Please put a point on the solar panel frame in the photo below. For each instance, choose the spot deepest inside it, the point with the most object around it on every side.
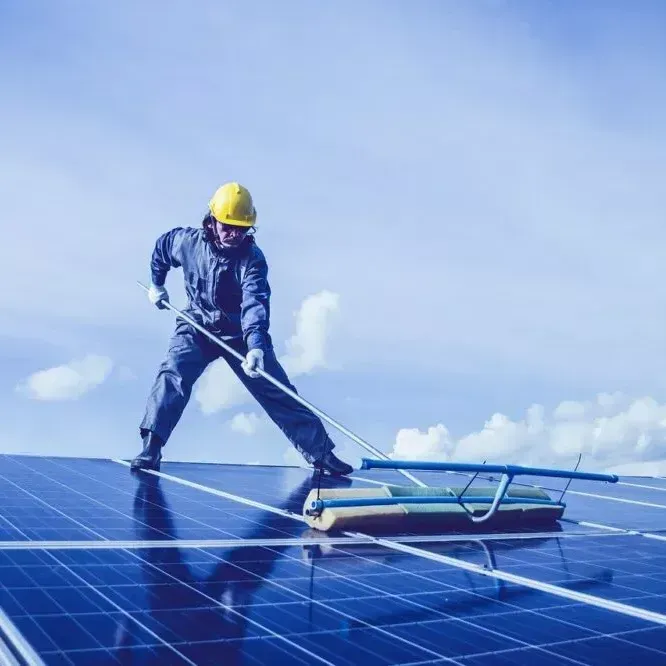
(577, 534)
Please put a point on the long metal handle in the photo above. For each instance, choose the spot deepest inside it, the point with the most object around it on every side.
(286, 389)
(513, 470)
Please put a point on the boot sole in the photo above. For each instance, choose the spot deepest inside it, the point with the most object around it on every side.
(139, 466)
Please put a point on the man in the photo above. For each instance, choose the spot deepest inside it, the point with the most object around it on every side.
(226, 282)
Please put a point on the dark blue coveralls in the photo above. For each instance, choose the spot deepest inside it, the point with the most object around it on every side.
(229, 294)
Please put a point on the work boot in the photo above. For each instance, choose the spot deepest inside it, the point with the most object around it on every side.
(151, 456)
(331, 464)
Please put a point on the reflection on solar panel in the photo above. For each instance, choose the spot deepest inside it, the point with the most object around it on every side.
(213, 564)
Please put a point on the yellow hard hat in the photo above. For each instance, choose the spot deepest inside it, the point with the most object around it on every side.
(232, 204)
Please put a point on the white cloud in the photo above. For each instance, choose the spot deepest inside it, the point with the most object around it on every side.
(246, 424)
(67, 382)
(515, 219)
(411, 443)
(306, 349)
(609, 431)
(219, 388)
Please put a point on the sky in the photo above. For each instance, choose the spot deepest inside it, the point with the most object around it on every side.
(461, 204)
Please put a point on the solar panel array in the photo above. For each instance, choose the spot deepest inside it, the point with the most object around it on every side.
(212, 564)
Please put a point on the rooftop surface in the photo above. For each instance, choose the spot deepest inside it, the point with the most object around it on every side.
(212, 564)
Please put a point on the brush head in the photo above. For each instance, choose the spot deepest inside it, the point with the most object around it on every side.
(394, 517)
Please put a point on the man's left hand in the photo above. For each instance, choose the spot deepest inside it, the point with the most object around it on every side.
(253, 360)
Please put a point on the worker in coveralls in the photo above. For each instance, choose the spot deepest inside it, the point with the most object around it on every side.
(228, 292)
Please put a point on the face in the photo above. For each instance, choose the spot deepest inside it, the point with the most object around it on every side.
(230, 235)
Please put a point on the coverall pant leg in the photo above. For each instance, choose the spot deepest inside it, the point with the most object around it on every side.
(188, 355)
(300, 425)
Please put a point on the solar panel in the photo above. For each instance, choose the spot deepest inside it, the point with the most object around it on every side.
(212, 564)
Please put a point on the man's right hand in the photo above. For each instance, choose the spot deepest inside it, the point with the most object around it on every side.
(157, 294)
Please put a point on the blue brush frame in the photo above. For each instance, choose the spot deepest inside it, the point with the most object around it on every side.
(508, 473)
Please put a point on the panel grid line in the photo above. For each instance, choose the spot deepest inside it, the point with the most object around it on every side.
(517, 610)
(584, 598)
(369, 626)
(110, 602)
(133, 619)
(626, 609)
(606, 604)
(389, 595)
(360, 580)
(113, 509)
(240, 542)
(18, 641)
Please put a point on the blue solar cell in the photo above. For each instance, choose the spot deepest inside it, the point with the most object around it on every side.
(629, 490)
(366, 645)
(179, 614)
(522, 657)
(309, 604)
(453, 638)
(658, 482)
(249, 653)
(609, 650)
(650, 638)
(594, 565)
(54, 499)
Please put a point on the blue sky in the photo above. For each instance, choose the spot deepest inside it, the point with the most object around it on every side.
(479, 186)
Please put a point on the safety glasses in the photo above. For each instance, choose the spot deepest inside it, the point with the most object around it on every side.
(232, 229)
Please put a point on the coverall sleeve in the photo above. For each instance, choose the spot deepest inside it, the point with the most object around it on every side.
(255, 305)
(166, 255)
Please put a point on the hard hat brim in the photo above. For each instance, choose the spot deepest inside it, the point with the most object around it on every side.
(235, 223)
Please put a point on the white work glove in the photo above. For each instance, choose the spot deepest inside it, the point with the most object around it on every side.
(157, 294)
(253, 360)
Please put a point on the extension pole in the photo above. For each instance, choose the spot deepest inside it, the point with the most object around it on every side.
(286, 389)
(513, 470)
